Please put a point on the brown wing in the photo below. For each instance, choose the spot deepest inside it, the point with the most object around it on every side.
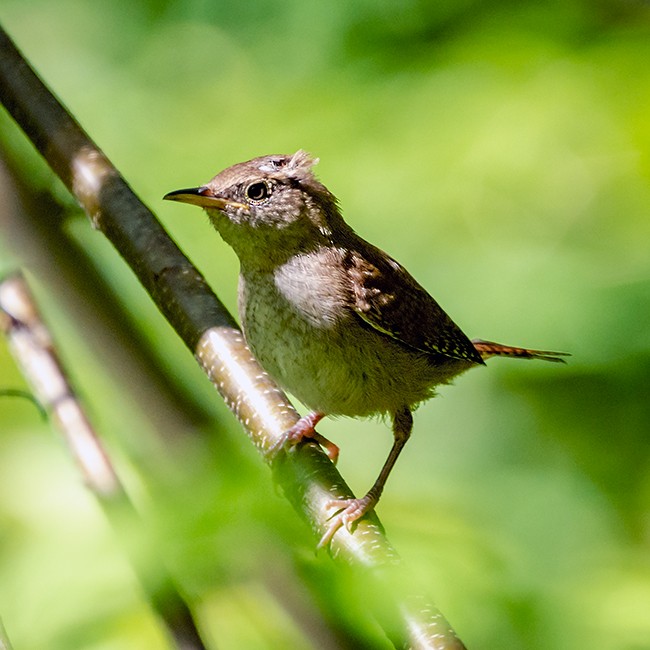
(389, 299)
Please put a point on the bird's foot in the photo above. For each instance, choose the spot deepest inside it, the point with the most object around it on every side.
(350, 511)
(305, 428)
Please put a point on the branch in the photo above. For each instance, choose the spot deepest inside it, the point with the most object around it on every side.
(183, 296)
(4, 639)
(32, 347)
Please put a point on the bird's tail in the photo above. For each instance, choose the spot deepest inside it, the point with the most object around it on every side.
(490, 349)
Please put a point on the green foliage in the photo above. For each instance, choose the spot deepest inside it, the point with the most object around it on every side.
(501, 152)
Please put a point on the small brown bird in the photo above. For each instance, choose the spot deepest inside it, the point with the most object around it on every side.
(333, 319)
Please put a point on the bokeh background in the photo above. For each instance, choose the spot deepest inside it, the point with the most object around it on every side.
(501, 151)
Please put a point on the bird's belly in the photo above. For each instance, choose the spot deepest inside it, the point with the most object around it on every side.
(339, 366)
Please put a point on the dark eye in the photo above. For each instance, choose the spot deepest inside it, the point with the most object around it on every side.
(258, 191)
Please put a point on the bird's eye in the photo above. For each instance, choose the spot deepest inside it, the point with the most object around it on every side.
(258, 191)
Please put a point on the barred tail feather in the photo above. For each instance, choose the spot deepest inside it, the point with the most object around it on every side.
(490, 349)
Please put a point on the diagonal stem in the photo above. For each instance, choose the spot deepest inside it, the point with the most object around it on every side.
(182, 295)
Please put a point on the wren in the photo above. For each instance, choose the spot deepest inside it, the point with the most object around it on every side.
(333, 319)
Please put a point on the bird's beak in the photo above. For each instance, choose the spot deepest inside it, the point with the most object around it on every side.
(202, 196)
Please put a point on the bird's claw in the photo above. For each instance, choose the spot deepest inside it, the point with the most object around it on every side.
(284, 442)
(350, 511)
(305, 428)
(328, 446)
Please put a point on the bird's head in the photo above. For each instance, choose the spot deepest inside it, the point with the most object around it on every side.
(270, 206)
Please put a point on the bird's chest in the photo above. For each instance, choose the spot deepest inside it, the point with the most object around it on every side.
(296, 322)
(301, 326)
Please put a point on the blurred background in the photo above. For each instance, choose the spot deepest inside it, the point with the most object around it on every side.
(499, 150)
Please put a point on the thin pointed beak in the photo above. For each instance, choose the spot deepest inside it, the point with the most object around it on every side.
(202, 196)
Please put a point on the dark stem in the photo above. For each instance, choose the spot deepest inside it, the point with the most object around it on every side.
(182, 295)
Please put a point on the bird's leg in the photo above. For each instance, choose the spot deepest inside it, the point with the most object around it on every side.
(305, 428)
(353, 509)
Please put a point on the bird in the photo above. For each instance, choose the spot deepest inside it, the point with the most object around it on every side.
(331, 318)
